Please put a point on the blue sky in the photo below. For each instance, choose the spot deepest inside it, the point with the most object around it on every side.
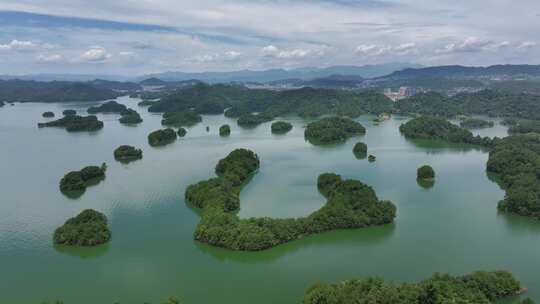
(134, 37)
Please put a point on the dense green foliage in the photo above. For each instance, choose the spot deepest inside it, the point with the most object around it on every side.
(127, 153)
(477, 288)
(161, 137)
(75, 123)
(108, 107)
(130, 116)
(69, 112)
(516, 159)
(430, 103)
(351, 204)
(181, 132)
(79, 180)
(360, 150)
(476, 123)
(89, 228)
(177, 119)
(251, 120)
(332, 130)
(225, 130)
(281, 127)
(425, 172)
(523, 127)
(54, 91)
(146, 102)
(48, 114)
(426, 127)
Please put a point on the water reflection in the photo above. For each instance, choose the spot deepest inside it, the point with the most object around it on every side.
(83, 252)
(519, 224)
(426, 183)
(435, 146)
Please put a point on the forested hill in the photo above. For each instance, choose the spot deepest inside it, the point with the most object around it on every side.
(463, 71)
(55, 91)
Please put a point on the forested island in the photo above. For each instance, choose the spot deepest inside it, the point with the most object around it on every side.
(281, 127)
(350, 204)
(126, 154)
(88, 228)
(130, 117)
(438, 128)
(47, 114)
(332, 130)
(476, 123)
(108, 107)
(181, 132)
(360, 150)
(425, 173)
(146, 102)
(516, 159)
(478, 288)
(161, 137)
(75, 123)
(69, 112)
(252, 120)
(181, 119)
(224, 130)
(74, 183)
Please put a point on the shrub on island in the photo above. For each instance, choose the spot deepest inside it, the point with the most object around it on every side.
(127, 153)
(89, 228)
(332, 130)
(478, 287)
(476, 123)
(48, 114)
(181, 132)
(79, 180)
(75, 123)
(436, 128)
(371, 158)
(107, 107)
(351, 204)
(130, 116)
(360, 150)
(225, 130)
(178, 119)
(161, 137)
(69, 112)
(281, 127)
(425, 173)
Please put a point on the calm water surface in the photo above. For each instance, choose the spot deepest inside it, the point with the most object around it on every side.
(452, 227)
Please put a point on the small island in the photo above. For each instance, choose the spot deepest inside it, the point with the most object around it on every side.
(360, 150)
(130, 117)
(476, 123)
(281, 127)
(425, 173)
(146, 103)
(180, 119)
(77, 181)
(253, 120)
(181, 132)
(225, 130)
(89, 228)
(478, 287)
(437, 128)
(107, 107)
(48, 114)
(69, 112)
(371, 158)
(332, 130)
(126, 154)
(75, 123)
(161, 137)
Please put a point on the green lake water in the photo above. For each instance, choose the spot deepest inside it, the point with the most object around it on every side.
(451, 227)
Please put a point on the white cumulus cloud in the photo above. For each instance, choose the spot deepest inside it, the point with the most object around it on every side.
(18, 45)
(96, 54)
(49, 58)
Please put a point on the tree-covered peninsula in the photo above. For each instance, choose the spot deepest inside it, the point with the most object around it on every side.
(181, 119)
(89, 228)
(476, 123)
(350, 204)
(48, 114)
(126, 154)
(75, 123)
(332, 130)
(437, 128)
(281, 127)
(478, 288)
(161, 137)
(75, 182)
(107, 107)
(224, 130)
(425, 172)
(516, 159)
(130, 117)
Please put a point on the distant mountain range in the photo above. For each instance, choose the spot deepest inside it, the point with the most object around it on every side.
(464, 71)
